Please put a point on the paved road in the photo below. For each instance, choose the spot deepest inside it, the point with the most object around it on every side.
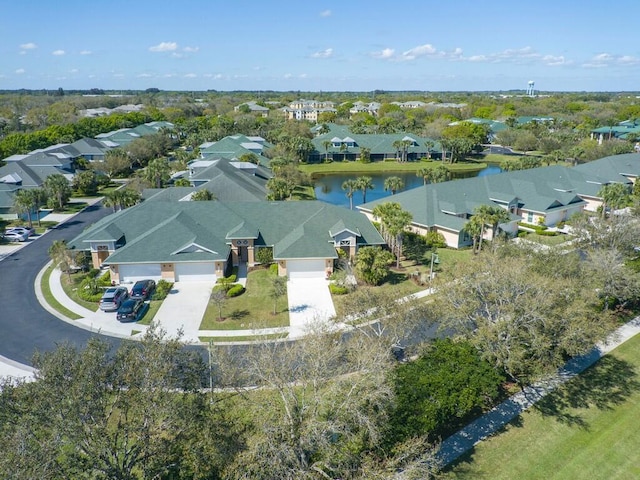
(27, 327)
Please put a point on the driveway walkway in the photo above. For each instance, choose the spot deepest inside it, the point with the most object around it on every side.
(183, 309)
(309, 302)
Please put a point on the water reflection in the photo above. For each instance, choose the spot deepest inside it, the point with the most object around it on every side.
(328, 188)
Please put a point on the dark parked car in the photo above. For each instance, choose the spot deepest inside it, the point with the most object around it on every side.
(112, 298)
(131, 310)
(143, 289)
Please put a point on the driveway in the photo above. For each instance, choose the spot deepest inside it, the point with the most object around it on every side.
(309, 302)
(184, 308)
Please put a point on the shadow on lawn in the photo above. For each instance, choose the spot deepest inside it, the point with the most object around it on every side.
(604, 385)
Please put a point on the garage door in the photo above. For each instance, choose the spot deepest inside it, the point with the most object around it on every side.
(195, 272)
(141, 271)
(305, 268)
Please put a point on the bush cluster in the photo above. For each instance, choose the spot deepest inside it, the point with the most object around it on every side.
(162, 290)
(235, 290)
(338, 289)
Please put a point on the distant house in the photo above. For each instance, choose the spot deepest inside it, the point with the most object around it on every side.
(253, 108)
(234, 147)
(339, 143)
(228, 181)
(307, 109)
(539, 196)
(361, 107)
(124, 136)
(629, 129)
(199, 241)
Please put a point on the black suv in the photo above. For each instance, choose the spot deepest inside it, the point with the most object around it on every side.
(143, 289)
(131, 310)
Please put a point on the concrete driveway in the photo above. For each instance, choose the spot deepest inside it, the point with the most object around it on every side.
(309, 302)
(184, 308)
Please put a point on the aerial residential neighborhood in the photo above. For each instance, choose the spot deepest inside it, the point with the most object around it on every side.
(311, 241)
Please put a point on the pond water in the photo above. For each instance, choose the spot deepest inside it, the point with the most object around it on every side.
(328, 188)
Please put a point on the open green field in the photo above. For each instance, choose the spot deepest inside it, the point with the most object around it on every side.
(586, 430)
(253, 309)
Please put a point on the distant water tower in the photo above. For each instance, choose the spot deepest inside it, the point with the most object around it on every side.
(530, 89)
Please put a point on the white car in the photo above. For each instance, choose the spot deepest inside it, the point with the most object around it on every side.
(25, 230)
(11, 236)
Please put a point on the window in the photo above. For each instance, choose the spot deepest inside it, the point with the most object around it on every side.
(530, 217)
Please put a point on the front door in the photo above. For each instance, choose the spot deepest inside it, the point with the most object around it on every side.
(242, 254)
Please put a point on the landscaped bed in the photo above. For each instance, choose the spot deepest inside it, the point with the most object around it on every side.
(251, 310)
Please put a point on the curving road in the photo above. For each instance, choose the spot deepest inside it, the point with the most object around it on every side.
(25, 325)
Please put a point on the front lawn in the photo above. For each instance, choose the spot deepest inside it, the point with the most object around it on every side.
(151, 310)
(251, 310)
(70, 285)
(51, 300)
(587, 429)
(549, 240)
(72, 207)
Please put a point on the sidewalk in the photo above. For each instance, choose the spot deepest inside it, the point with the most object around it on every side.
(464, 440)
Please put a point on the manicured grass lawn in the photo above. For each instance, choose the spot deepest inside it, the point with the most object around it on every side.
(70, 284)
(73, 207)
(245, 338)
(152, 309)
(548, 240)
(373, 167)
(252, 309)
(51, 300)
(303, 193)
(587, 429)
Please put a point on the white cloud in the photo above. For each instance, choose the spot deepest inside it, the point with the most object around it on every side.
(419, 51)
(191, 49)
(304, 75)
(190, 75)
(288, 76)
(164, 47)
(73, 70)
(325, 13)
(20, 71)
(58, 53)
(118, 75)
(86, 52)
(608, 60)
(384, 54)
(323, 54)
(28, 46)
(145, 75)
(553, 61)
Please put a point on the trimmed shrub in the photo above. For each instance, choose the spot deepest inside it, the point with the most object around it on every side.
(89, 290)
(105, 279)
(162, 290)
(273, 268)
(230, 279)
(338, 289)
(235, 290)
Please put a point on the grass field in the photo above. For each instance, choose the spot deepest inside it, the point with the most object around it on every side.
(51, 300)
(586, 430)
(378, 167)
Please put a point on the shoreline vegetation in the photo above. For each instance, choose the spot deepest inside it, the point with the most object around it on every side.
(320, 169)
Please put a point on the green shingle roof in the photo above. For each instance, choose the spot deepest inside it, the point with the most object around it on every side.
(160, 231)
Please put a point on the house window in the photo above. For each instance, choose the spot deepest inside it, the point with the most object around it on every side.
(345, 243)
(530, 217)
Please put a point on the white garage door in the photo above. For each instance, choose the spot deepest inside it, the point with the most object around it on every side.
(195, 272)
(305, 268)
(140, 271)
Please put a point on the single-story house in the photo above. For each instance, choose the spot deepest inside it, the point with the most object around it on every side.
(235, 146)
(339, 143)
(545, 196)
(199, 241)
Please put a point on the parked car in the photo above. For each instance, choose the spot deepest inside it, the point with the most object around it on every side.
(10, 236)
(131, 310)
(112, 298)
(143, 289)
(29, 231)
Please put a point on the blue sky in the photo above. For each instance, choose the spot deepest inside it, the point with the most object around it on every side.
(348, 45)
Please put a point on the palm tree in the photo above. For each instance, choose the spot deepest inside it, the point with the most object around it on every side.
(158, 172)
(326, 144)
(24, 202)
(61, 256)
(202, 195)
(394, 221)
(614, 195)
(365, 183)
(57, 186)
(474, 228)
(489, 215)
(398, 147)
(350, 185)
(436, 174)
(393, 184)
